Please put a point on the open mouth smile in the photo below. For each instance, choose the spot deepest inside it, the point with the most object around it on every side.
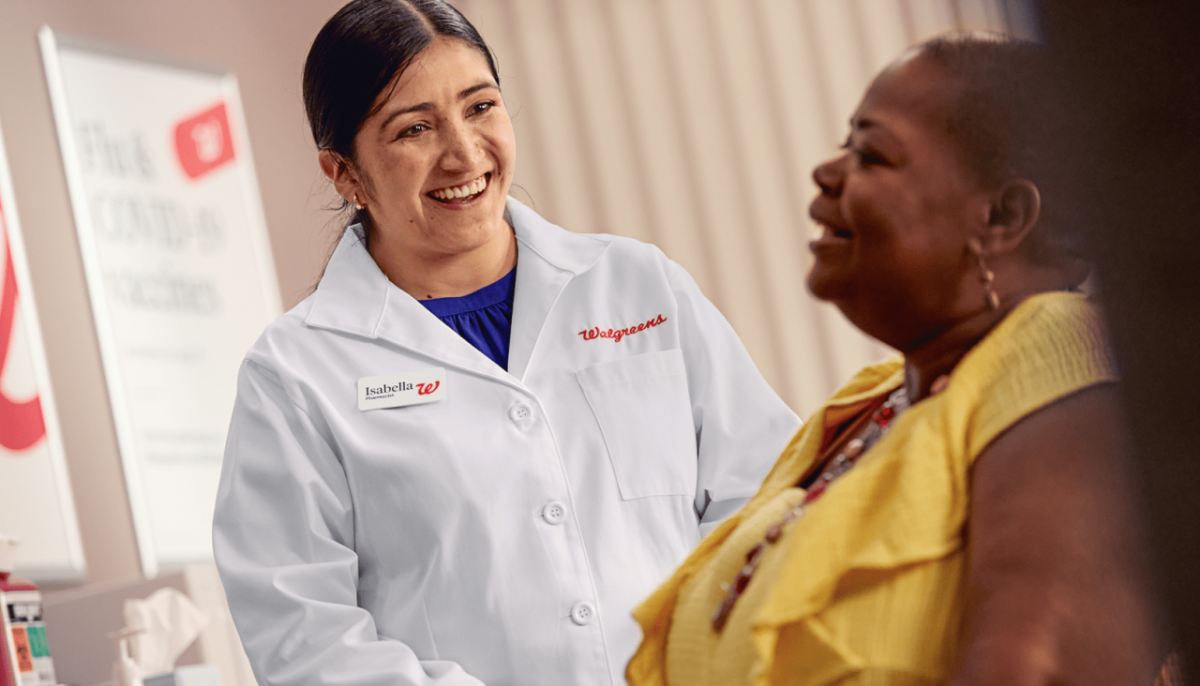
(460, 195)
(829, 238)
(828, 231)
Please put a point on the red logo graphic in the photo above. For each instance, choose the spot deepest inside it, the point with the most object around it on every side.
(617, 334)
(203, 142)
(21, 424)
(427, 388)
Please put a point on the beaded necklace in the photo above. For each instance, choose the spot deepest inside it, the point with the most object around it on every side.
(846, 458)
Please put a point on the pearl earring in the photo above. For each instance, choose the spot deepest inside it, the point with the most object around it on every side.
(986, 276)
(357, 205)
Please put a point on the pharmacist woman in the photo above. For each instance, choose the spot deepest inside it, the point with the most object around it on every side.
(483, 439)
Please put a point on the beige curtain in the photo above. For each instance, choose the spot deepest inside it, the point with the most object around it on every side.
(695, 124)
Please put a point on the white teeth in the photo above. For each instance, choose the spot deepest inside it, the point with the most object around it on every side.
(463, 191)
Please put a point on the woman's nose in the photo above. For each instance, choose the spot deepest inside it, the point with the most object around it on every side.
(829, 176)
(462, 149)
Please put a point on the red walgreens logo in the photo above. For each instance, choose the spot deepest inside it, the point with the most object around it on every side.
(617, 334)
(203, 142)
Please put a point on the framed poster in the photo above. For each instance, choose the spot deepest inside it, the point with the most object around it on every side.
(36, 505)
(178, 267)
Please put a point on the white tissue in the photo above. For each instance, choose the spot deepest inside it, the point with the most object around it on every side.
(170, 621)
(8, 551)
(125, 671)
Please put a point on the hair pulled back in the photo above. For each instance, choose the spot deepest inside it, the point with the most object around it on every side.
(360, 50)
(1008, 122)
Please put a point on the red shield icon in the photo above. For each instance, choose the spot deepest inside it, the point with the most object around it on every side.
(203, 142)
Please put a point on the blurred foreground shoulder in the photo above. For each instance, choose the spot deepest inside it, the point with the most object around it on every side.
(1058, 585)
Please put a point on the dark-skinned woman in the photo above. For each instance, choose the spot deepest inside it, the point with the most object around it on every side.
(962, 513)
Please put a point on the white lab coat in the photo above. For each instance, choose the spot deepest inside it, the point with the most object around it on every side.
(503, 534)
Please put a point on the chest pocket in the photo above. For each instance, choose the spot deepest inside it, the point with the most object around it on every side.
(645, 414)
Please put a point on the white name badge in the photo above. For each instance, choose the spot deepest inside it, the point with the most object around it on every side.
(400, 390)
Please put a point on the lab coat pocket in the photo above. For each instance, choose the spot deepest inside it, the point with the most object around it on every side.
(645, 415)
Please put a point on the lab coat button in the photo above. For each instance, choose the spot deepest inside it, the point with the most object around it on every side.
(521, 413)
(554, 512)
(583, 613)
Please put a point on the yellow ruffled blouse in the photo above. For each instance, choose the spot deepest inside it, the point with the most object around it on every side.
(867, 586)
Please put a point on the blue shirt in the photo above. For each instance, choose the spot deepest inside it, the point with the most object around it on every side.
(483, 318)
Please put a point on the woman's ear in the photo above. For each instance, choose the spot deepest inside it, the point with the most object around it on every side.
(1014, 212)
(342, 174)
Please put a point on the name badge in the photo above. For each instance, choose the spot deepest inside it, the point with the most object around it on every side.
(400, 390)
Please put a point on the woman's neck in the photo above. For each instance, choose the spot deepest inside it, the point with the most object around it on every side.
(939, 355)
(425, 277)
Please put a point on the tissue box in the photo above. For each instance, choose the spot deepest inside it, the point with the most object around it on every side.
(79, 622)
(190, 675)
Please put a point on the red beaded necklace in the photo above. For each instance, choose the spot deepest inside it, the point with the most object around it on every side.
(849, 455)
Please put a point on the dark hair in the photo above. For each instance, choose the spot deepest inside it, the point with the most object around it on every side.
(1007, 119)
(360, 50)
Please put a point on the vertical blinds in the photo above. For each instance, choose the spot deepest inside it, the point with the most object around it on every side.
(695, 125)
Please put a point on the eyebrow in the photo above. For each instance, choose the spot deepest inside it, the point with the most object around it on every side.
(865, 125)
(427, 106)
(860, 124)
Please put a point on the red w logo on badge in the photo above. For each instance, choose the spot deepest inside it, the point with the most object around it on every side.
(203, 142)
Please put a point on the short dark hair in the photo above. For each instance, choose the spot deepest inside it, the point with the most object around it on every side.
(1007, 122)
(360, 50)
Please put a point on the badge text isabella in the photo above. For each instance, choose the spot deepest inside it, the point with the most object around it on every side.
(387, 389)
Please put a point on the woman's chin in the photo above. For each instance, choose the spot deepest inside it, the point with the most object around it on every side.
(825, 285)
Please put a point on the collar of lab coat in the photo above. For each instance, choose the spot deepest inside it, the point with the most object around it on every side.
(355, 297)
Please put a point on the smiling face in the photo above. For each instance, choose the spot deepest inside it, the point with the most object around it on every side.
(896, 211)
(435, 160)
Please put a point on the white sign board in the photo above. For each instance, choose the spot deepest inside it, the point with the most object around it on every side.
(36, 505)
(178, 267)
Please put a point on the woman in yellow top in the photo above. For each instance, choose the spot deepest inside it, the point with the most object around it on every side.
(961, 514)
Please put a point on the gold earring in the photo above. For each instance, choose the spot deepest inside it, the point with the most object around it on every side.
(357, 205)
(986, 276)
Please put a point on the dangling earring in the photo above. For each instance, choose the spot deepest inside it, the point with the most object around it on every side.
(357, 205)
(986, 276)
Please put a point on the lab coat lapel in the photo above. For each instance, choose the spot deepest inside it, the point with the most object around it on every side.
(539, 283)
(548, 258)
(354, 296)
(407, 323)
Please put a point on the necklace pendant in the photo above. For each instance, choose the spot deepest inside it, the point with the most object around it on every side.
(815, 491)
(853, 449)
(743, 579)
(774, 533)
(722, 614)
(756, 551)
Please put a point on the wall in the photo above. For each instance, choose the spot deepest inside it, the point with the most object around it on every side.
(693, 124)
